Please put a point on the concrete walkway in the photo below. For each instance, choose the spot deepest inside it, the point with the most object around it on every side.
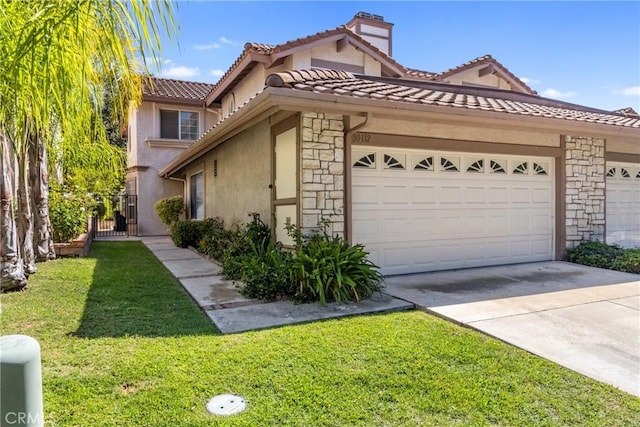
(586, 319)
(231, 312)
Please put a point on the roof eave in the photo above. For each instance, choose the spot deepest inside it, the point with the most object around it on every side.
(274, 99)
(248, 61)
(288, 99)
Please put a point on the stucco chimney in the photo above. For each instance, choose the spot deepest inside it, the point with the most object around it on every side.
(373, 29)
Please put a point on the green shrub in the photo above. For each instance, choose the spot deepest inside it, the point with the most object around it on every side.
(321, 268)
(256, 234)
(190, 232)
(594, 254)
(216, 239)
(234, 253)
(628, 262)
(328, 268)
(69, 212)
(266, 273)
(169, 209)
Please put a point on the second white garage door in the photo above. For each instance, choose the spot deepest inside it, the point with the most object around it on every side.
(623, 204)
(418, 211)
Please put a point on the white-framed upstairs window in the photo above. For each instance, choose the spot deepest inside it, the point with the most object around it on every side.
(196, 196)
(182, 125)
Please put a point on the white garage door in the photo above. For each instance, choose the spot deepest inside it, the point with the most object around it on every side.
(419, 211)
(623, 204)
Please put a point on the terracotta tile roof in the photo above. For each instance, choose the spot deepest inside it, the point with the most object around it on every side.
(627, 112)
(266, 49)
(157, 87)
(249, 48)
(486, 59)
(440, 94)
(420, 74)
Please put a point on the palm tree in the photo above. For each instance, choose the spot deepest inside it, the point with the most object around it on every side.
(57, 58)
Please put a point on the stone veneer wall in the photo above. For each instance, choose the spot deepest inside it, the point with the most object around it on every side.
(585, 190)
(322, 171)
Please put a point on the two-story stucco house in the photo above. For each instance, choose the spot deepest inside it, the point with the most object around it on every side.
(430, 171)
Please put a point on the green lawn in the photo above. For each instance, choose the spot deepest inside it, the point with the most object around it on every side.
(124, 345)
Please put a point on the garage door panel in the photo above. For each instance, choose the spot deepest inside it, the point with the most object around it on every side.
(365, 228)
(623, 204)
(541, 196)
(431, 219)
(520, 247)
(450, 194)
(540, 222)
(540, 247)
(395, 194)
(499, 195)
(364, 194)
(475, 195)
(423, 195)
(395, 226)
(396, 256)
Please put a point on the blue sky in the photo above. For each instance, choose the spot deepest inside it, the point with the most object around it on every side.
(586, 53)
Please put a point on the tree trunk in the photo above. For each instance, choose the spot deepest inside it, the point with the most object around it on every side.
(25, 211)
(39, 179)
(11, 268)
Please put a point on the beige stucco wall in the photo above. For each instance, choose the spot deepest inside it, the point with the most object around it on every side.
(132, 134)
(372, 67)
(245, 90)
(244, 175)
(621, 145)
(301, 60)
(147, 154)
(473, 78)
(348, 55)
(465, 133)
(150, 188)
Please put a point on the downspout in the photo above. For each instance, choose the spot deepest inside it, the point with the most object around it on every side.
(349, 136)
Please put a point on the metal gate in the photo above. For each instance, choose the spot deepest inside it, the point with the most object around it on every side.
(116, 215)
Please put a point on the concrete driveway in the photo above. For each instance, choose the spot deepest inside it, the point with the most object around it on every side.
(584, 318)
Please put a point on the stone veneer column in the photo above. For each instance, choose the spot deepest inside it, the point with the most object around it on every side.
(585, 190)
(322, 171)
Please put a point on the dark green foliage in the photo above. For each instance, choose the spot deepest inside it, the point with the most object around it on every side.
(594, 254)
(234, 254)
(190, 232)
(328, 268)
(213, 243)
(321, 268)
(244, 243)
(629, 261)
(232, 245)
(601, 255)
(168, 209)
(266, 273)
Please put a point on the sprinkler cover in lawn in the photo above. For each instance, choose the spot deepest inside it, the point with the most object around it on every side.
(226, 404)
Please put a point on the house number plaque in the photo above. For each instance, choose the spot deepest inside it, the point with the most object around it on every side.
(361, 138)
